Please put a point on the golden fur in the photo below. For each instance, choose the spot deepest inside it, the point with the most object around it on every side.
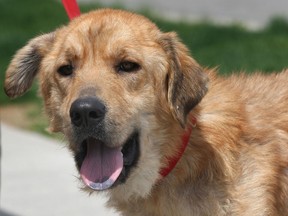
(237, 159)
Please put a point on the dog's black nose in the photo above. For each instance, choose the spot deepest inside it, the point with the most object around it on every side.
(88, 111)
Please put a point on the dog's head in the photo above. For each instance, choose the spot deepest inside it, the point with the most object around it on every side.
(118, 89)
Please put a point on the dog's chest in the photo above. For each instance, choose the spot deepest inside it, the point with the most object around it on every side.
(181, 202)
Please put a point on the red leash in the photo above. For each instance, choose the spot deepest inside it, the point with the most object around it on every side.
(72, 8)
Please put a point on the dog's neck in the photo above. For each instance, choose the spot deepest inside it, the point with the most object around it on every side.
(172, 161)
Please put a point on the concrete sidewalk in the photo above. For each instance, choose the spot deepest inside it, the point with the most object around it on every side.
(39, 179)
(251, 13)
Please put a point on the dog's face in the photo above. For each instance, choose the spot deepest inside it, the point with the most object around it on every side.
(117, 88)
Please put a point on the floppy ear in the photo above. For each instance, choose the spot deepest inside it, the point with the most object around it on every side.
(186, 82)
(25, 65)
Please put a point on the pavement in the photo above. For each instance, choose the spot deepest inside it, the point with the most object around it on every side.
(39, 178)
(252, 13)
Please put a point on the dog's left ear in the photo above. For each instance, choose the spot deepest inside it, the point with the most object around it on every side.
(186, 82)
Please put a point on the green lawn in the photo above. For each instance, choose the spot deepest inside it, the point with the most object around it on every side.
(232, 48)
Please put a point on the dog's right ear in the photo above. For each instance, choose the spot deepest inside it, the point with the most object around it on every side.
(25, 65)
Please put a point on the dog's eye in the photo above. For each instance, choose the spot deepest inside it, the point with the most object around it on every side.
(65, 70)
(127, 66)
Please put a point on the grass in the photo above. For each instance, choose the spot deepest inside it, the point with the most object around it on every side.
(232, 48)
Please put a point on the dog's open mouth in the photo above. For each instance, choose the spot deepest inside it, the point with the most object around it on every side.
(102, 167)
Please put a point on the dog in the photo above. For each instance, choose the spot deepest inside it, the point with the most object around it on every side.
(160, 134)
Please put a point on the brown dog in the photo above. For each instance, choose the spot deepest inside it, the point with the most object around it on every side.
(124, 94)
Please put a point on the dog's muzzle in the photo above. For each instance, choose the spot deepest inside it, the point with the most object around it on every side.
(101, 165)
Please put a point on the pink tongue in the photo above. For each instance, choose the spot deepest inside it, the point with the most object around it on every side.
(101, 166)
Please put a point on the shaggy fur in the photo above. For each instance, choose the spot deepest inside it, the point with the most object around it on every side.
(237, 158)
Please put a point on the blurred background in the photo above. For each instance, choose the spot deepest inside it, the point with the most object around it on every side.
(38, 175)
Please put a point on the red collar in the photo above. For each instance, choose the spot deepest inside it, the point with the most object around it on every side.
(172, 161)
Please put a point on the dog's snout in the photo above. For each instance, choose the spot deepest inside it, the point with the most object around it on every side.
(86, 112)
